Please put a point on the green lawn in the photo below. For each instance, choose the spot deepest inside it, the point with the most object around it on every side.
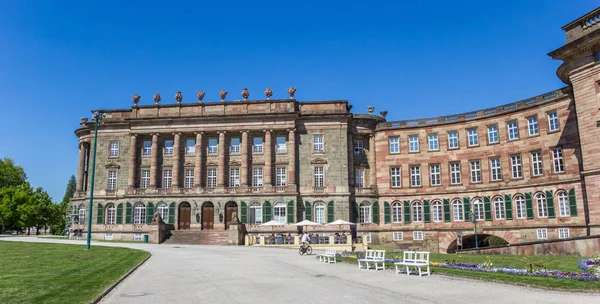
(58, 273)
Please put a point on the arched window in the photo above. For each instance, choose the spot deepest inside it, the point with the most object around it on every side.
(255, 213)
(279, 213)
(111, 213)
(478, 209)
(163, 210)
(563, 204)
(81, 214)
(438, 213)
(139, 214)
(397, 212)
(320, 212)
(520, 206)
(542, 205)
(499, 208)
(459, 212)
(365, 212)
(417, 212)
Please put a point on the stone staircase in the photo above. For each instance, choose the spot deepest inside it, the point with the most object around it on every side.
(203, 237)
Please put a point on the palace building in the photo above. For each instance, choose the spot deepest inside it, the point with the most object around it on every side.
(525, 171)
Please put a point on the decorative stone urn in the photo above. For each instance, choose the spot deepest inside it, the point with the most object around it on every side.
(156, 98)
(178, 97)
(268, 93)
(223, 94)
(292, 92)
(245, 94)
(136, 99)
(200, 96)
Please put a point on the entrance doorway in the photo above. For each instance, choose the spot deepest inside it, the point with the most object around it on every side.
(230, 207)
(184, 217)
(208, 216)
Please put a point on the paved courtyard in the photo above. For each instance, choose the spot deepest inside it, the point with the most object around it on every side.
(223, 274)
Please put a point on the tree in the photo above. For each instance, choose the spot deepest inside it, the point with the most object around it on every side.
(11, 175)
(11, 201)
(70, 189)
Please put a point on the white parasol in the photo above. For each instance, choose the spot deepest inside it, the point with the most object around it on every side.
(339, 223)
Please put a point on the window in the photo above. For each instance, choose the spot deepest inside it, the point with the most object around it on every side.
(455, 173)
(319, 176)
(213, 146)
(515, 161)
(81, 214)
(553, 122)
(434, 172)
(112, 180)
(358, 147)
(394, 145)
(499, 208)
(493, 134)
(281, 142)
(536, 163)
(398, 236)
(145, 179)
(189, 178)
(168, 147)
(318, 143)
(190, 147)
(255, 214)
(234, 148)
(473, 137)
(397, 212)
(110, 214)
(542, 205)
(137, 237)
(417, 235)
(557, 156)
(366, 235)
(211, 177)
(281, 177)
(437, 212)
(320, 213)
(513, 130)
(520, 206)
(542, 234)
(563, 233)
(167, 178)
(459, 213)
(139, 214)
(415, 176)
(413, 143)
(563, 204)
(417, 210)
(108, 236)
(475, 171)
(495, 169)
(453, 140)
(433, 142)
(257, 180)
(478, 209)
(279, 213)
(163, 210)
(147, 149)
(114, 149)
(234, 177)
(395, 177)
(365, 212)
(257, 147)
(359, 180)
(532, 125)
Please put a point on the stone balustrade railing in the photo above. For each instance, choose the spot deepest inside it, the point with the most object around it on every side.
(583, 25)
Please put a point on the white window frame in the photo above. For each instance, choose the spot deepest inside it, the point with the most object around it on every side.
(493, 137)
(417, 235)
(433, 142)
(318, 143)
(114, 149)
(234, 147)
(536, 164)
(281, 147)
(163, 210)
(499, 208)
(234, 177)
(108, 236)
(516, 169)
(415, 176)
(111, 214)
(189, 178)
(553, 122)
(138, 237)
(167, 178)
(146, 148)
(475, 171)
(257, 144)
(438, 212)
(513, 130)
(280, 176)
(564, 233)
(542, 205)
(112, 180)
(542, 234)
(413, 143)
(495, 169)
(394, 144)
(563, 204)
(365, 213)
(320, 212)
(213, 146)
(453, 140)
(190, 149)
(473, 137)
(557, 157)
(279, 213)
(359, 148)
(145, 182)
(532, 126)
(255, 216)
(169, 147)
(81, 214)
(458, 210)
(257, 177)
(478, 209)
(417, 212)
(211, 177)
(398, 236)
(520, 207)
(139, 214)
(396, 212)
(396, 181)
(359, 178)
(366, 235)
(435, 175)
(455, 173)
(319, 176)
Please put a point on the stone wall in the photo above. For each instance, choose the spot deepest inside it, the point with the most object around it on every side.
(582, 246)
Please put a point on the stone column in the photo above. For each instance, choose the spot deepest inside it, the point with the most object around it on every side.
(221, 169)
(81, 165)
(132, 160)
(198, 166)
(244, 166)
(292, 157)
(176, 139)
(372, 162)
(267, 174)
(154, 161)
(351, 175)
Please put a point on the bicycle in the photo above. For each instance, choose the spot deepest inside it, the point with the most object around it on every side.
(303, 250)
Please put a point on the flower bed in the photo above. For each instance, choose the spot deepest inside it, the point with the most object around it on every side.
(591, 265)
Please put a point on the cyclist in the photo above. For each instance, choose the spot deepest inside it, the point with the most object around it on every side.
(305, 240)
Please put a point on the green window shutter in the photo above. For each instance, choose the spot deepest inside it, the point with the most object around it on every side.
(330, 211)
(467, 205)
(550, 202)
(291, 215)
(356, 212)
(100, 215)
(307, 211)
(243, 212)
(487, 206)
(426, 211)
(149, 213)
(171, 213)
(407, 212)
(128, 214)
(447, 217)
(529, 205)
(375, 213)
(508, 206)
(572, 202)
(266, 211)
(120, 213)
(386, 213)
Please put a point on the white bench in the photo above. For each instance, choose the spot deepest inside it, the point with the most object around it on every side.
(329, 256)
(375, 257)
(415, 259)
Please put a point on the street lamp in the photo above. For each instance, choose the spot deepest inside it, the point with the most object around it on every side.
(472, 217)
(97, 116)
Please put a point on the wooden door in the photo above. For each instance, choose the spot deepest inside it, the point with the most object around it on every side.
(208, 216)
(229, 209)
(185, 215)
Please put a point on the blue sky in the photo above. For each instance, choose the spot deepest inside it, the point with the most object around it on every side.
(60, 59)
